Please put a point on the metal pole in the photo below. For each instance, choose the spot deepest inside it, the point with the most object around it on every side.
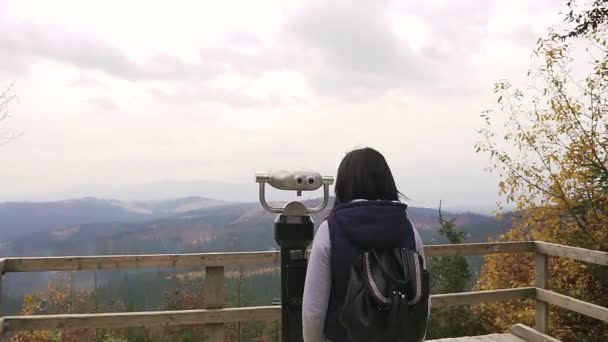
(293, 234)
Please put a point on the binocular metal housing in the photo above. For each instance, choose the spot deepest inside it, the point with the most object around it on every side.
(298, 181)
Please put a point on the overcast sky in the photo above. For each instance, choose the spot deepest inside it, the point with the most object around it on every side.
(113, 94)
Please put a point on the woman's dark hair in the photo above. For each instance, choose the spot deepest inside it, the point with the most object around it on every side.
(364, 174)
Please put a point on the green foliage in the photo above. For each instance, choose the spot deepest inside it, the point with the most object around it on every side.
(450, 275)
(134, 335)
(114, 339)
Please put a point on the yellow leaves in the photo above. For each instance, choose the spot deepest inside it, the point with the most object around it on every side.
(501, 315)
(31, 305)
(502, 187)
(502, 86)
(58, 298)
(37, 336)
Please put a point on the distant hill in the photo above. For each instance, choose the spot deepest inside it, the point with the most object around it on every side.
(93, 226)
(24, 218)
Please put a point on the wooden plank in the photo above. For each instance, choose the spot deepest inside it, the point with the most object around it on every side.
(477, 297)
(531, 335)
(541, 308)
(214, 299)
(107, 262)
(2, 268)
(0, 294)
(484, 338)
(143, 319)
(576, 305)
(479, 248)
(576, 253)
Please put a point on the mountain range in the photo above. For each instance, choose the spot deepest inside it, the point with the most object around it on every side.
(102, 226)
(22, 218)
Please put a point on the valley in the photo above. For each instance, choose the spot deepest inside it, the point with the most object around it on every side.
(186, 225)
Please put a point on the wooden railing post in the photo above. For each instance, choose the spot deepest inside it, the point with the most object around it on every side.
(2, 263)
(2, 268)
(214, 299)
(1, 293)
(542, 308)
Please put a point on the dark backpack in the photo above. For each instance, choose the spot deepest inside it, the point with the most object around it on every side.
(387, 297)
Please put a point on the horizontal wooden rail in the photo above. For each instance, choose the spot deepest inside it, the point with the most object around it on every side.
(479, 248)
(477, 297)
(572, 304)
(530, 335)
(108, 262)
(576, 253)
(100, 262)
(214, 316)
(135, 319)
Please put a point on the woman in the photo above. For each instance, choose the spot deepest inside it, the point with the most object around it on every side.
(379, 221)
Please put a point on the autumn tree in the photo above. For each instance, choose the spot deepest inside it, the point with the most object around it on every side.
(62, 298)
(549, 144)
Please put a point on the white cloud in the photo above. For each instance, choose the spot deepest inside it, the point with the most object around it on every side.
(114, 92)
(103, 103)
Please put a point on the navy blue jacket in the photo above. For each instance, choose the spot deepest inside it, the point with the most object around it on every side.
(354, 227)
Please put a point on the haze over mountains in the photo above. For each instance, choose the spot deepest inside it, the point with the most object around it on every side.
(227, 191)
(159, 190)
(189, 224)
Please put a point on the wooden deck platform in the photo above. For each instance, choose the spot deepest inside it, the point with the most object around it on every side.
(486, 338)
(519, 333)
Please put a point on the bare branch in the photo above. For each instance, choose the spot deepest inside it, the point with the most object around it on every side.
(6, 97)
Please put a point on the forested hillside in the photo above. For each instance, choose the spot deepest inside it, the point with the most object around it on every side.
(220, 227)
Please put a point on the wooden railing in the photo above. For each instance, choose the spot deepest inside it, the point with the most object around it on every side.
(214, 315)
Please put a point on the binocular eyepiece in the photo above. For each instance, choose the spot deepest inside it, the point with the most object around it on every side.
(297, 181)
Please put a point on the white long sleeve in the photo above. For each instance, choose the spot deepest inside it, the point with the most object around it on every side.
(317, 287)
(420, 250)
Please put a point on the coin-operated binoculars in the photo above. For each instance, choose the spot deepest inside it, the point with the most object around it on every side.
(293, 232)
